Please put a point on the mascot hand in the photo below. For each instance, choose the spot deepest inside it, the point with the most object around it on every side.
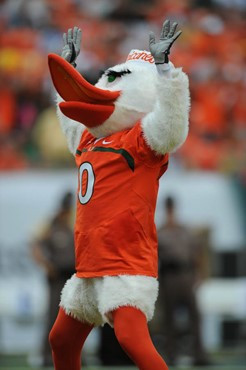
(71, 48)
(161, 49)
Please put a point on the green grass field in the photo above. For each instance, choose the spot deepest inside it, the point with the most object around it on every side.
(222, 361)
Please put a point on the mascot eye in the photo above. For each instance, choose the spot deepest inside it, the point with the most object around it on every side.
(112, 75)
(111, 78)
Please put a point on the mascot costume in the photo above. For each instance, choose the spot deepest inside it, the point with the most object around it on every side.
(121, 132)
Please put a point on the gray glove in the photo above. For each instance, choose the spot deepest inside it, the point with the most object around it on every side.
(161, 49)
(71, 48)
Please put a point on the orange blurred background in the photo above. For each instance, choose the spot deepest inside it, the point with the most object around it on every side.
(212, 51)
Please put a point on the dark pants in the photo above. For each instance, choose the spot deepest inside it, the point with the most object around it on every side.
(176, 290)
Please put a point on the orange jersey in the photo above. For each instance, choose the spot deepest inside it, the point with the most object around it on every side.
(118, 185)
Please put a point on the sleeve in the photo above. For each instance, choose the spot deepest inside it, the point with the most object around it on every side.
(139, 148)
(166, 127)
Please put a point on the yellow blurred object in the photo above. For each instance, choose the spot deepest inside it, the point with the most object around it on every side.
(49, 139)
(10, 59)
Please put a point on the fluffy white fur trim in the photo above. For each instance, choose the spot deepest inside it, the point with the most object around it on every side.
(89, 300)
(166, 127)
(125, 290)
(78, 299)
(71, 129)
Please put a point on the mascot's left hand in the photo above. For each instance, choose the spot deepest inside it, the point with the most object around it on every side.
(161, 49)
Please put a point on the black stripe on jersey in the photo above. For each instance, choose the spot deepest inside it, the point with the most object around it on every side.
(79, 152)
(123, 152)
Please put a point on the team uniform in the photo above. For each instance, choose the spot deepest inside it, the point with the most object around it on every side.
(118, 184)
(115, 233)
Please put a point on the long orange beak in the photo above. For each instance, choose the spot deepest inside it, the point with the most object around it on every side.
(84, 102)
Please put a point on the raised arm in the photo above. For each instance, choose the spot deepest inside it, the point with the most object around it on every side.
(72, 129)
(166, 127)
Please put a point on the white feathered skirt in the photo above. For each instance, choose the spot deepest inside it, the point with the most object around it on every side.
(91, 299)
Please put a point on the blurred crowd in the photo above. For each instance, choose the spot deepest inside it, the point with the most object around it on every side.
(212, 50)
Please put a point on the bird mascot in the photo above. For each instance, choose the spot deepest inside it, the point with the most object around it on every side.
(121, 132)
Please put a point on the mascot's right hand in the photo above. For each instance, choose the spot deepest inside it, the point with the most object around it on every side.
(71, 48)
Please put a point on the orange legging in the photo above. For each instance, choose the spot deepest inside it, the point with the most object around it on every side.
(68, 336)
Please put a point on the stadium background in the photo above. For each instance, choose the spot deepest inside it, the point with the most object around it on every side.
(207, 175)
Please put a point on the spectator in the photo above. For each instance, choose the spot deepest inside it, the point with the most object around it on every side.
(53, 250)
(178, 271)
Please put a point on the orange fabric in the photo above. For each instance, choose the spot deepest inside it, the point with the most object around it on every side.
(132, 332)
(115, 232)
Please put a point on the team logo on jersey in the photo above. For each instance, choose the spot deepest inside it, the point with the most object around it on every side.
(106, 142)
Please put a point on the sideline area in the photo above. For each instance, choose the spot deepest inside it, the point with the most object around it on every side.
(222, 361)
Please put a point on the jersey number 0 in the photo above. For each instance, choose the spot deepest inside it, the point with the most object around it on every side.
(86, 182)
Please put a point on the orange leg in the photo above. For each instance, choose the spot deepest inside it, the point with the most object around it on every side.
(132, 332)
(67, 338)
